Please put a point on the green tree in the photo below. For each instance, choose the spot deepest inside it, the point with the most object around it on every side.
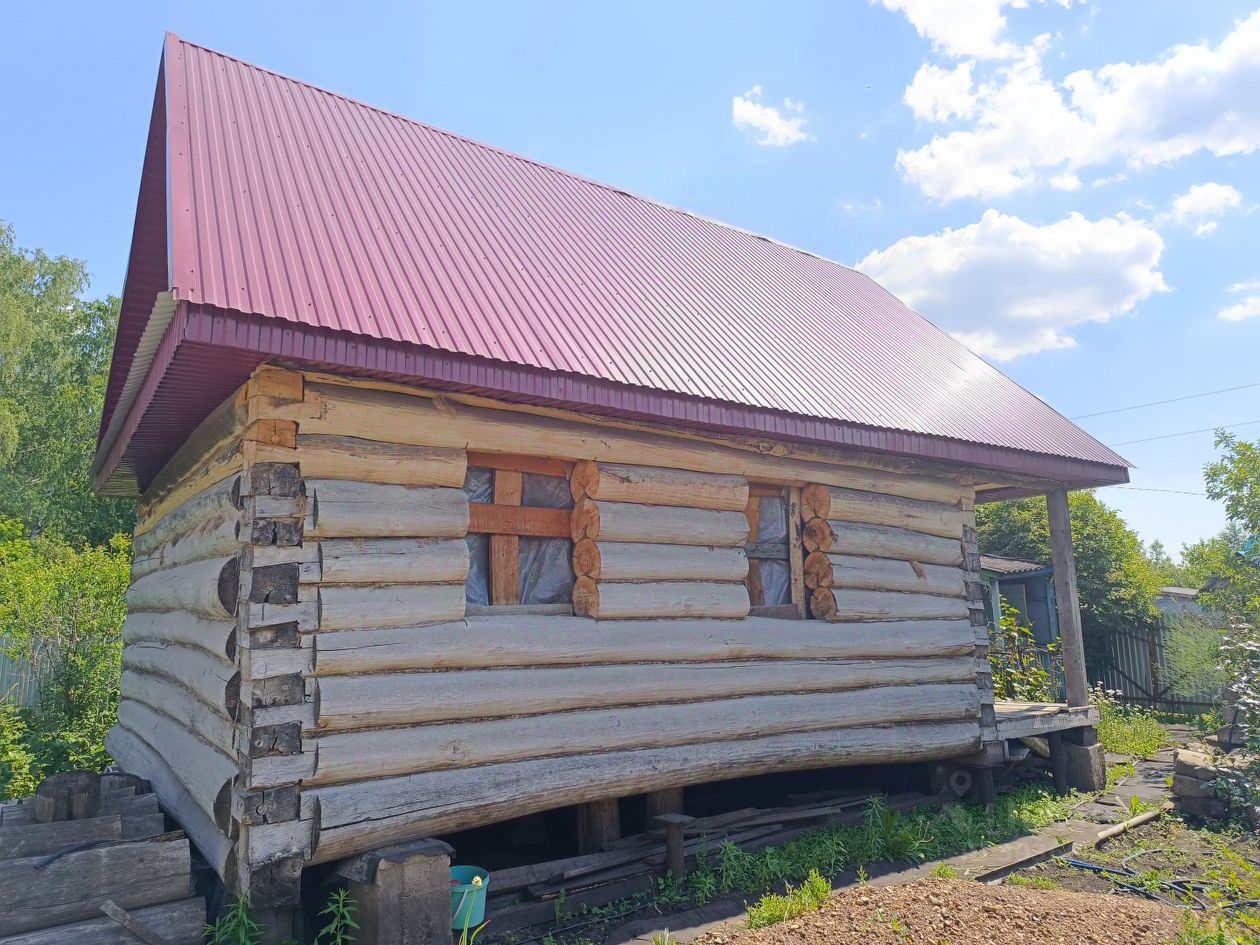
(1115, 579)
(54, 361)
(61, 612)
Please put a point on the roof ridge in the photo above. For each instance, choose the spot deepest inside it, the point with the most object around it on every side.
(525, 159)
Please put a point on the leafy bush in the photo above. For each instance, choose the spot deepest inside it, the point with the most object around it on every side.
(1022, 670)
(807, 897)
(61, 612)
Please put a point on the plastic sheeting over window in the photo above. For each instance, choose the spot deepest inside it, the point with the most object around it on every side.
(772, 531)
(545, 565)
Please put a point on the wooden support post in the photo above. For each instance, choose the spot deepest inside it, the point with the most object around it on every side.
(403, 892)
(675, 850)
(599, 822)
(667, 801)
(984, 786)
(1069, 605)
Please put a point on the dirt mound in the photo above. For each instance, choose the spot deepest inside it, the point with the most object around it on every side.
(933, 911)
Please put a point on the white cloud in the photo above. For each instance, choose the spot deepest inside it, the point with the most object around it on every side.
(1249, 285)
(1026, 128)
(939, 94)
(961, 28)
(1008, 288)
(1201, 204)
(1247, 308)
(774, 127)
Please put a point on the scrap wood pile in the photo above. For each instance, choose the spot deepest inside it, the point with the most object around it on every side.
(88, 860)
(525, 896)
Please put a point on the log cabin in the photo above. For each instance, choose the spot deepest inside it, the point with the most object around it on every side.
(471, 488)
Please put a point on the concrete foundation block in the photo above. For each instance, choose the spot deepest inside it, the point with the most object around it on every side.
(1084, 766)
(1186, 786)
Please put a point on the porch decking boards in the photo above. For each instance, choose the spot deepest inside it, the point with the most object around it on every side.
(1021, 719)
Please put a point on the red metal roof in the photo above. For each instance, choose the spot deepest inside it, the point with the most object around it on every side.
(384, 240)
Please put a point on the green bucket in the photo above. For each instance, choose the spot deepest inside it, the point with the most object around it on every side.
(468, 901)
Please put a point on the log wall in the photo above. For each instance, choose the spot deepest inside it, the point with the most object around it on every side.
(358, 703)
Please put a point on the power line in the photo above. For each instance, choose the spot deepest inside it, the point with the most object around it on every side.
(1171, 400)
(1169, 436)
(1150, 489)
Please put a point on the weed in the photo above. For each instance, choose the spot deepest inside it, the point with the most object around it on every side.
(862, 876)
(663, 938)
(340, 912)
(669, 893)
(559, 905)
(944, 871)
(1196, 931)
(234, 927)
(773, 908)
(1032, 882)
(1127, 729)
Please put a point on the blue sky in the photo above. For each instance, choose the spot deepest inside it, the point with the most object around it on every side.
(1068, 186)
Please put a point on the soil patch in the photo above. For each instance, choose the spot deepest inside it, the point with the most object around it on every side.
(933, 911)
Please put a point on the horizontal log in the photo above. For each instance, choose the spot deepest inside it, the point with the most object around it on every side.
(347, 607)
(343, 509)
(170, 696)
(656, 485)
(393, 560)
(207, 525)
(215, 681)
(360, 756)
(678, 599)
(395, 416)
(37, 839)
(494, 641)
(135, 755)
(632, 561)
(207, 588)
(414, 698)
(322, 456)
(174, 923)
(205, 771)
(890, 575)
(882, 541)
(869, 508)
(216, 637)
(891, 605)
(657, 524)
(362, 816)
(517, 520)
(37, 894)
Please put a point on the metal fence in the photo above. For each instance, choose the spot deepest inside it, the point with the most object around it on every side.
(19, 681)
(1147, 671)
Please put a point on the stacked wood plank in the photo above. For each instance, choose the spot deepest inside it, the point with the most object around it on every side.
(657, 542)
(56, 875)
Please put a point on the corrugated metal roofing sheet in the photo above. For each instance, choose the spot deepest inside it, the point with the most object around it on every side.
(299, 205)
(1000, 565)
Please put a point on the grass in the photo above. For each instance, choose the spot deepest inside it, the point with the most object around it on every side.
(774, 908)
(944, 871)
(1032, 882)
(1131, 730)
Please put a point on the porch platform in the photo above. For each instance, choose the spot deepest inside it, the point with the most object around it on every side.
(1021, 719)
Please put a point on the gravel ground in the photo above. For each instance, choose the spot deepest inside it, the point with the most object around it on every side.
(957, 912)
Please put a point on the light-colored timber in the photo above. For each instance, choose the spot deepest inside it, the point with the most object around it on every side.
(352, 458)
(345, 509)
(884, 574)
(416, 698)
(393, 560)
(492, 641)
(214, 680)
(633, 561)
(168, 695)
(357, 756)
(869, 508)
(216, 637)
(655, 485)
(351, 607)
(657, 524)
(206, 588)
(207, 525)
(883, 541)
(854, 604)
(613, 601)
(364, 815)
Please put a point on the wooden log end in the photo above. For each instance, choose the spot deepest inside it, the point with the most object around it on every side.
(586, 559)
(818, 571)
(585, 597)
(584, 480)
(229, 585)
(822, 603)
(584, 520)
(815, 502)
(817, 535)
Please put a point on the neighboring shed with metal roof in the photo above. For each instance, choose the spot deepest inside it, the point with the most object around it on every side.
(470, 488)
(1026, 586)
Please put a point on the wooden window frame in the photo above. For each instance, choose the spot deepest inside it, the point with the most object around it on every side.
(796, 609)
(506, 521)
